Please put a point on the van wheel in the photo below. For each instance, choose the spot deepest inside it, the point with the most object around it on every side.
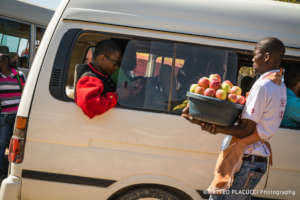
(148, 194)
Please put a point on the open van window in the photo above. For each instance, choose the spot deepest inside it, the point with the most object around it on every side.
(157, 73)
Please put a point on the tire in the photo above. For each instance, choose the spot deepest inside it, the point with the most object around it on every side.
(148, 194)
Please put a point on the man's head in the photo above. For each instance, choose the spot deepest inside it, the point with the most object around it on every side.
(268, 54)
(4, 60)
(13, 59)
(107, 56)
(292, 78)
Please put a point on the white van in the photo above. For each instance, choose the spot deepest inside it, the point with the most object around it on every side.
(142, 148)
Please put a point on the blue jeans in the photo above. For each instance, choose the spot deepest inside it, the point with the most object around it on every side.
(7, 122)
(244, 181)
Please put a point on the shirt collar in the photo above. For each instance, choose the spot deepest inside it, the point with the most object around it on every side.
(91, 66)
(268, 72)
(12, 74)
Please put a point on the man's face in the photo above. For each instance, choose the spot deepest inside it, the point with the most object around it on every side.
(259, 63)
(109, 63)
(3, 59)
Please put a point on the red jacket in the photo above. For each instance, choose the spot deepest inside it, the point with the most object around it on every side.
(95, 91)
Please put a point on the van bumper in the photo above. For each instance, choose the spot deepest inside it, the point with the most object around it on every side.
(11, 188)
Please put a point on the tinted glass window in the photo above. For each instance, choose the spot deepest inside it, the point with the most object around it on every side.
(160, 73)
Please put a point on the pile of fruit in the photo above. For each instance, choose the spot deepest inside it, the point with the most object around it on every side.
(214, 87)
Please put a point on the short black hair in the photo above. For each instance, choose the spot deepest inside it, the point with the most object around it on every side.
(106, 47)
(272, 45)
(4, 56)
(291, 75)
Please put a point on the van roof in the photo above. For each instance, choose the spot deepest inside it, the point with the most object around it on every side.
(242, 20)
(26, 12)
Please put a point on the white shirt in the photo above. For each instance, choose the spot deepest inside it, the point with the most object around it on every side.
(265, 106)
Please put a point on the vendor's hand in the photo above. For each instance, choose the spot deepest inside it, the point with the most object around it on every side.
(211, 128)
(186, 115)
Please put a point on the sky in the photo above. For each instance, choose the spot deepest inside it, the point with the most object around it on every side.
(52, 4)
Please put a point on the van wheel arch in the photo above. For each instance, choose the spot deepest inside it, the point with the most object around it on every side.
(134, 190)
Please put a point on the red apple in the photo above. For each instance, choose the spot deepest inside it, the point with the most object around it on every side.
(221, 94)
(241, 99)
(232, 98)
(209, 92)
(214, 84)
(215, 76)
(236, 90)
(199, 90)
(203, 82)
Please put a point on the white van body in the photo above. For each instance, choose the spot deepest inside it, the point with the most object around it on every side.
(69, 156)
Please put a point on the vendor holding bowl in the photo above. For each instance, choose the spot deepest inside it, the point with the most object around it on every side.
(261, 117)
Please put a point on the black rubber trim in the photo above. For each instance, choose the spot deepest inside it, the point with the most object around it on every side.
(63, 178)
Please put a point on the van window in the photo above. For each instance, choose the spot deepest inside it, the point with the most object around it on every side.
(156, 73)
(15, 36)
(167, 69)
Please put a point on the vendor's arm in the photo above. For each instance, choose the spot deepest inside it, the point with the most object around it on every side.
(245, 128)
(90, 99)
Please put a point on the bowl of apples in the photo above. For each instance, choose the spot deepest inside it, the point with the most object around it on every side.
(213, 101)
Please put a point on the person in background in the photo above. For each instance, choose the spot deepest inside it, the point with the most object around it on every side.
(260, 119)
(89, 56)
(246, 84)
(291, 117)
(13, 60)
(95, 90)
(11, 85)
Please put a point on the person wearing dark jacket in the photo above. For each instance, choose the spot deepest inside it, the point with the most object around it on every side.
(95, 90)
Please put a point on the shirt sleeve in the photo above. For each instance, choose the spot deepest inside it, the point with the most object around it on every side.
(90, 99)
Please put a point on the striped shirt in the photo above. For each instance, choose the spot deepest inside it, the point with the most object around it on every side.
(10, 91)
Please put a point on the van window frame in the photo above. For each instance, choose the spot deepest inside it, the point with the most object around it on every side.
(65, 62)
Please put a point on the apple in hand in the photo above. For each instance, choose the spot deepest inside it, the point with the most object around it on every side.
(221, 94)
(203, 82)
(209, 92)
(199, 90)
(232, 98)
(193, 87)
(215, 76)
(236, 90)
(241, 99)
(214, 84)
